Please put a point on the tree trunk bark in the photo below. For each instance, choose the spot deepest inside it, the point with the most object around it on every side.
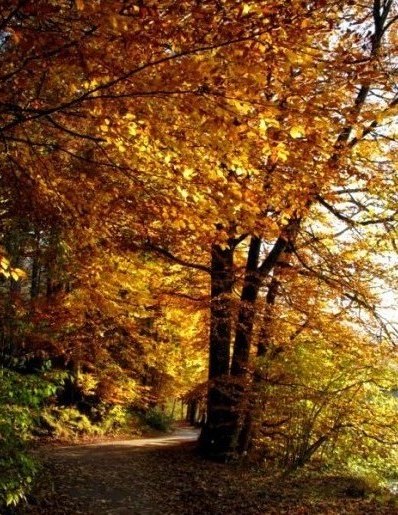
(212, 441)
(192, 412)
(250, 429)
(228, 395)
(237, 385)
(245, 323)
(255, 396)
(35, 271)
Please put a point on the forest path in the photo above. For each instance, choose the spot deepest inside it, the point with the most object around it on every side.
(164, 476)
(123, 477)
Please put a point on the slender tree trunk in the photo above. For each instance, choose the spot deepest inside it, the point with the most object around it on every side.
(35, 271)
(255, 396)
(192, 412)
(246, 316)
(173, 408)
(250, 425)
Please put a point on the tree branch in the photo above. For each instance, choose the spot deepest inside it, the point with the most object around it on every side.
(11, 14)
(350, 221)
(72, 132)
(273, 256)
(91, 93)
(176, 259)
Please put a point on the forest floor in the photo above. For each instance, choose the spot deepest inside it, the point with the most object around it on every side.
(164, 476)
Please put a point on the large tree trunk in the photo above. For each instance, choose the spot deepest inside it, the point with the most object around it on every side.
(246, 382)
(213, 442)
(228, 395)
(239, 379)
(246, 315)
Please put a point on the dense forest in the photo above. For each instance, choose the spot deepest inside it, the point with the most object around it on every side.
(199, 220)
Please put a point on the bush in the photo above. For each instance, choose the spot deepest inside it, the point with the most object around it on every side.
(157, 419)
(67, 423)
(17, 472)
(331, 409)
(20, 399)
(116, 419)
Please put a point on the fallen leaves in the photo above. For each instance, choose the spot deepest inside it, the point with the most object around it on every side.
(173, 480)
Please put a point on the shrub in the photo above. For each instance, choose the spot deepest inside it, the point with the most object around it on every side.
(116, 419)
(20, 399)
(330, 409)
(157, 419)
(67, 423)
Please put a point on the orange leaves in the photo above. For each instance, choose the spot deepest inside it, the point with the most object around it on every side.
(239, 132)
(245, 9)
(188, 173)
(280, 153)
(4, 263)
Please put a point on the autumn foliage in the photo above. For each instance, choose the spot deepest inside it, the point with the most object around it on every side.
(204, 193)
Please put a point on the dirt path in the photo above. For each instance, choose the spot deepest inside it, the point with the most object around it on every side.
(116, 477)
(164, 476)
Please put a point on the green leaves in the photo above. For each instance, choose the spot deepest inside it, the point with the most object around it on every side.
(334, 406)
(21, 397)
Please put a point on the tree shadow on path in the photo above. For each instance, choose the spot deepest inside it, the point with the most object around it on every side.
(164, 476)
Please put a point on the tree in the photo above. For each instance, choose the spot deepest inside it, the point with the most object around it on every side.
(226, 432)
(291, 112)
(336, 392)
